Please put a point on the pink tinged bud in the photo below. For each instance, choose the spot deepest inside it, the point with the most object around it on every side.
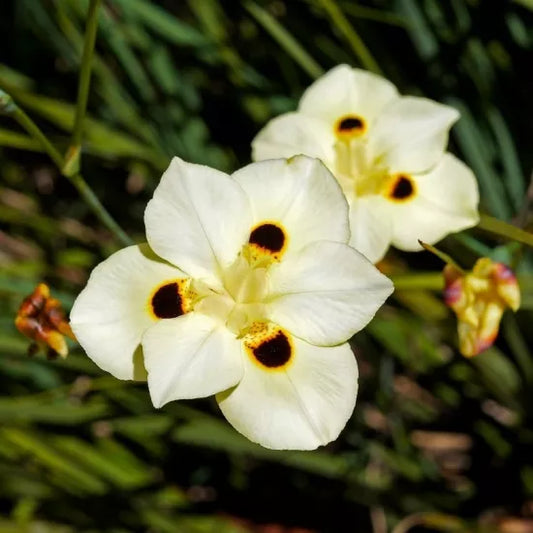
(479, 298)
(454, 294)
(507, 285)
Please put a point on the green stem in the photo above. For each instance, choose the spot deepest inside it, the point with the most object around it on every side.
(9, 107)
(27, 124)
(504, 229)
(354, 40)
(434, 281)
(99, 210)
(424, 280)
(441, 255)
(73, 154)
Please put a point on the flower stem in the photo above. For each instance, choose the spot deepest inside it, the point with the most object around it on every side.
(72, 159)
(9, 107)
(357, 44)
(441, 255)
(504, 229)
(98, 209)
(423, 280)
(434, 281)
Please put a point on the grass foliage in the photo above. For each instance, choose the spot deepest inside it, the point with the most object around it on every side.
(435, 439)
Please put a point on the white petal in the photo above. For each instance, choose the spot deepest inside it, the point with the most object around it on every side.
(411, 134)
(292, 134)
(111, 313)
(300, 408)
(326, 293)
(343, 91)
(446, 201)
(299, 193)
(198, 219)
(192, 356)
(371, 227)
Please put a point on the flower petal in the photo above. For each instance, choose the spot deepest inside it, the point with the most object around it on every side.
(112, 312)
(301, 407)
(371, 227)
(294, 133)
(343, 91)
(326, 293)
(446, 201)
(300, 194)
(198, 219)
(192, 356)
(411, 134)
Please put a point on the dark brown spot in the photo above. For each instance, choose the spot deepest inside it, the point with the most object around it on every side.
(268, 236)
(274, 352)
(403, 188)
(350, 124)
(166, 302)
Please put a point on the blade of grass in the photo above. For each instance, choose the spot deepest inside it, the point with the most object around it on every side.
(8, 107)
(11, 139)
(504, 229)
(518, 345)
(121, 105)
(423, 38)
(84, 79)
(214, 23)
(164, 24)
(376, 15)
(514, 177)
(357, 44)
(293, 48)
(471, 142)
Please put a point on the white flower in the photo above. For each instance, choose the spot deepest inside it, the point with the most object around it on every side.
(252, 296)
(387, 152)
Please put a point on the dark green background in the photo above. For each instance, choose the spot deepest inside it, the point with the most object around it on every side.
(81, 451)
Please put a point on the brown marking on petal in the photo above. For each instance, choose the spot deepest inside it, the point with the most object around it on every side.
(350, 126)
(171, 299)
(269, 346)
(268, 239)
(166, 301)
(401, 188)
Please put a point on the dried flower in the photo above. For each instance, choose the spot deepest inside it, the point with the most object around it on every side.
(41, 318)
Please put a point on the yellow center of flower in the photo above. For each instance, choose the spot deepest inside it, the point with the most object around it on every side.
(361, 173)
(242, 303)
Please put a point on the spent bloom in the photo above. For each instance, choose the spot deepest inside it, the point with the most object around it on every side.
(41, 318)
(388, 153)
(246, 289)
(479, 299)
